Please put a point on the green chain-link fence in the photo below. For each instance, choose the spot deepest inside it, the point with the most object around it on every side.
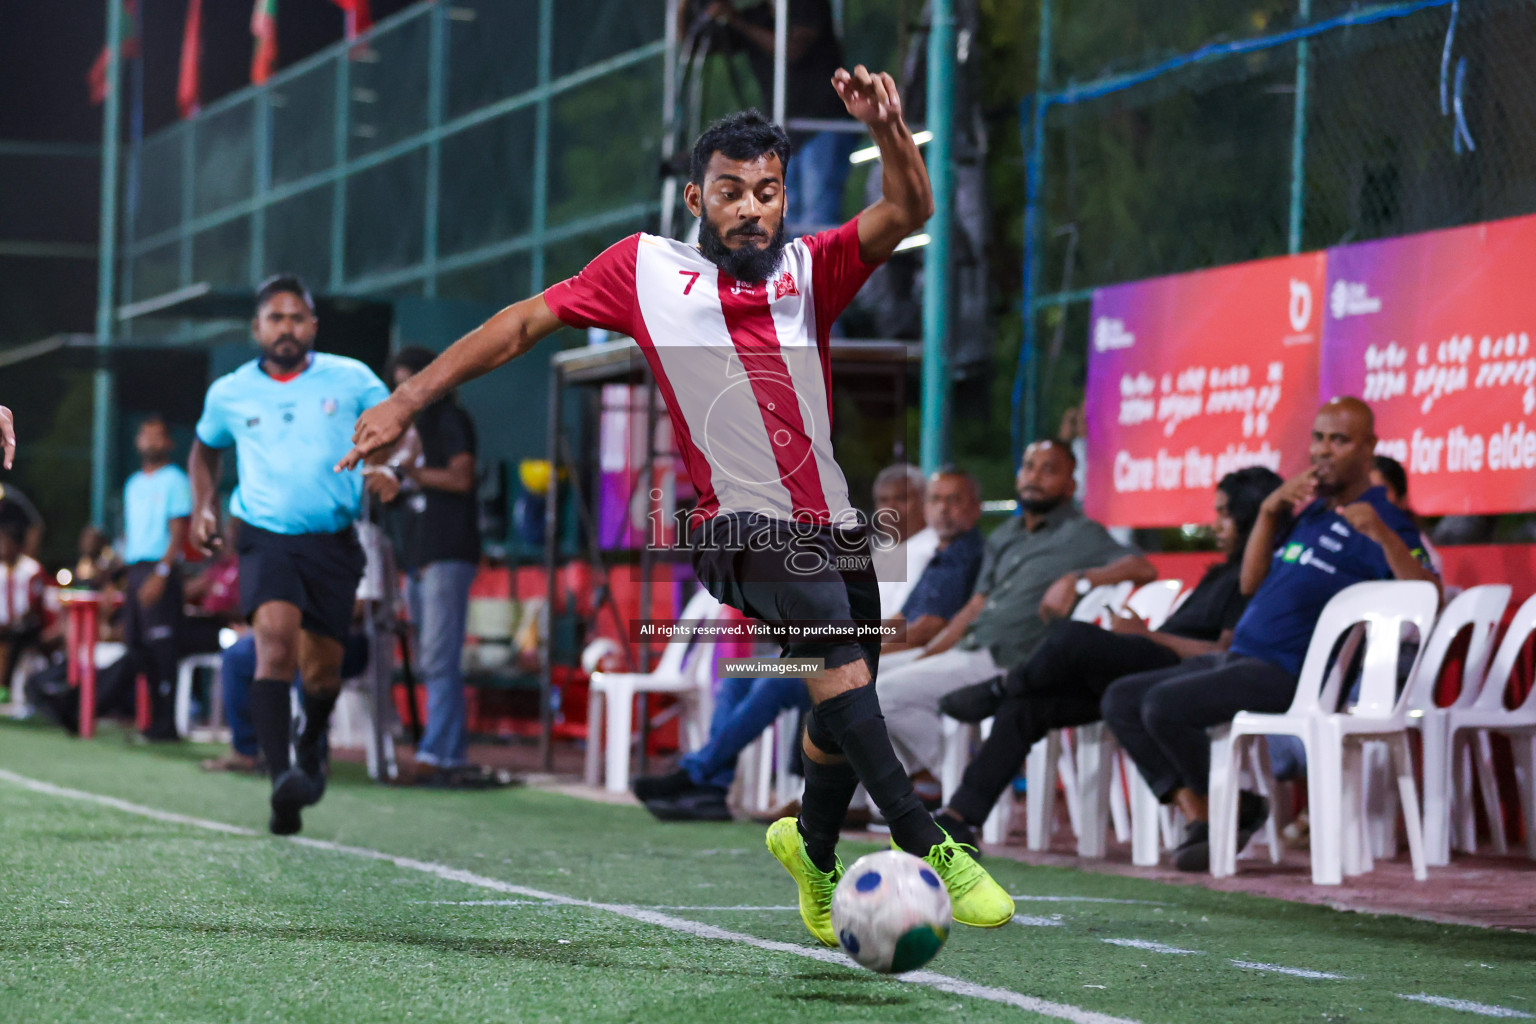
(1166, 138)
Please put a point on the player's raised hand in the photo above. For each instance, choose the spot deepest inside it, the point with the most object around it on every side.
(376, 428)
(870, 96)
(7, 437)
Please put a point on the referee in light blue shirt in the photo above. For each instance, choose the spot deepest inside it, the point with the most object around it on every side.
(289, 416)
(157, 501)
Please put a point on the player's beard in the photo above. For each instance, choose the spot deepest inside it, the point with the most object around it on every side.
(285, 363)
(1040, 506)
(748, 263)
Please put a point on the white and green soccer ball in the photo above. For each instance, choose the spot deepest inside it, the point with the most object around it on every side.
(890, 912)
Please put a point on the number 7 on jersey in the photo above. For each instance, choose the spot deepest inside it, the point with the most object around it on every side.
(693, 279)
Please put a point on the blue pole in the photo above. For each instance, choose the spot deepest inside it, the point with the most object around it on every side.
(102, 390)
(936, 269)
(1026, 413)
(1299, 136)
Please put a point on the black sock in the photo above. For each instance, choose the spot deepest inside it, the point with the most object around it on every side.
(828, 790)
(272, 715)
(317, 725)
(854, 721)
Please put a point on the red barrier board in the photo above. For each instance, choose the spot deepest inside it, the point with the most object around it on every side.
(1193, 376)
(1434, 331)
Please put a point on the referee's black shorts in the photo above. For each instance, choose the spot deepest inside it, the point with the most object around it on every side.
(780, 572)
(318, 572)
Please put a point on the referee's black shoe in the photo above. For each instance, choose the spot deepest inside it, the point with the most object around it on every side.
(293, 790)
(312, 758)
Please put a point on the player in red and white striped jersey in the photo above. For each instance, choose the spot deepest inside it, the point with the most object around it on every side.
(736, 333)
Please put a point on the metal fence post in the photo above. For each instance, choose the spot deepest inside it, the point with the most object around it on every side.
(103, 392)
(933, 438)
(1299, 136)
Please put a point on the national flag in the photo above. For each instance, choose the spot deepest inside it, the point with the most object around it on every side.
(189, 86)
(264, 29)
(97, 77)
(359, 16)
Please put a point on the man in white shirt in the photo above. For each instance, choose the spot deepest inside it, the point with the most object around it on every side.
(899, 495)
(21, 599)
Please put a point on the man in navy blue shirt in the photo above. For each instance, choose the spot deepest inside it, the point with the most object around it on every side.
(289, 417)
(1318, 533)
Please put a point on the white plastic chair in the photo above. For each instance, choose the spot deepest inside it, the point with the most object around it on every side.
(1154, 602)
(1333, 740)
(686, 670)
(763, 766)
(186, 672)
(1480, 609)
(1103, 776)
(1488, 714)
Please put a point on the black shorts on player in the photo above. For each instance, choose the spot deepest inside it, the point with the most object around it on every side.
(780, 572)
(316, 572)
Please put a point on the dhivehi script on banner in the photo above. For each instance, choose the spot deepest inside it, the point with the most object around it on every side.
(1193, 376)
(1435, 332)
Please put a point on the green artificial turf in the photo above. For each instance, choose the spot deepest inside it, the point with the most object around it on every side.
(110, 915)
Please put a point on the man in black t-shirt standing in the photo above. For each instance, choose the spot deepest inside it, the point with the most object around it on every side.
(813, 186)
(440, 536)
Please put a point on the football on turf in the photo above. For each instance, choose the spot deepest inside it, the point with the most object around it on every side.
(891, 912)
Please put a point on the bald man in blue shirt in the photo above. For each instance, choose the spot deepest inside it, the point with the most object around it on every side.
(289, 417)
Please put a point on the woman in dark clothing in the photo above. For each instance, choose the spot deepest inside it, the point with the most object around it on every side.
(1063, 681)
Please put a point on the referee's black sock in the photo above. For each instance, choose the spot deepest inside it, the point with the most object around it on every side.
(317, 725)
(272, 715)
(853, 722)
(828, 790)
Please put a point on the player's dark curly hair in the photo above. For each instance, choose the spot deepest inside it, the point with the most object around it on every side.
(740, 136)
(1246, 490)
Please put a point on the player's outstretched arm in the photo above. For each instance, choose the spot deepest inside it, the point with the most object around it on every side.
(500, 339)
(907, 197)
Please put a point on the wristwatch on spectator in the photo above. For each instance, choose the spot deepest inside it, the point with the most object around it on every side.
(1082, 586)
(162, 569)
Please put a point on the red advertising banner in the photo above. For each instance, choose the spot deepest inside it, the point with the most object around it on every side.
(1193, 376)
(1433, 330)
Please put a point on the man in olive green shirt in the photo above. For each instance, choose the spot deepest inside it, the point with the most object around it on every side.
(1035, 568)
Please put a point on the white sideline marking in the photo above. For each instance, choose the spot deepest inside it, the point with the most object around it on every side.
(482, 903)
(1150, 946)
(1083, 899)
(1467, 1006)
(944, 983)
(546, 903)
(1295, 972)
(1031, 921)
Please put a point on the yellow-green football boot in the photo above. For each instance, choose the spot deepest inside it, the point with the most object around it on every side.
(974, 898)
(816, 886)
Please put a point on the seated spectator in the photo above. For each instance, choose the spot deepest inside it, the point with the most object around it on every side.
(899, 495)
(97, 562)
(1063, 681)
(696, 790)
(21, 599)
(1316, 534)
(1388, 473)
(18, 512)
(1287, 756)
(1034, 569)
